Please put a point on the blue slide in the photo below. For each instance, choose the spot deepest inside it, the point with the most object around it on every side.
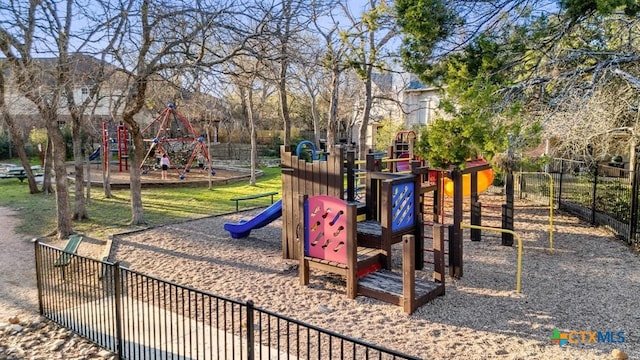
(243, 228)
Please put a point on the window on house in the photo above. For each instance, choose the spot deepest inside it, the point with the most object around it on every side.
(84, 91)
(423, 112)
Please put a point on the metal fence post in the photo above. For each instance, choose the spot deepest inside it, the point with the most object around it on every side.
(38, 253)
(593, 199)
(560, 183)
(633, 216)
(117, 284)
(560, 189)
(250, 331)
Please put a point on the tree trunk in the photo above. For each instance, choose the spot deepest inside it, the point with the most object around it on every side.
(332, 124)
(136, 156)
(366, 113)
(59, 154)
(316, 121)
(17, 139)
(284, 106)
(47, 187)
(254, 145)
(22, 154)
(88, 189)
(80, 212)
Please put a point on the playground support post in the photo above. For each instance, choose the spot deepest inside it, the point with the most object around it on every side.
(351, 176)
(455, 235)
(550, 204)
(516, 236)
(476, 208)
(507, 210)
(123, 149)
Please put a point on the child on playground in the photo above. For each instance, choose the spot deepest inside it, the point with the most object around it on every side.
(200, 159)
(165, 166)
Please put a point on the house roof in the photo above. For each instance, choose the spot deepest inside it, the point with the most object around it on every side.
(84, 68)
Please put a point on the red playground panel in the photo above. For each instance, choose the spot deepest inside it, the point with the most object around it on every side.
(326, 230)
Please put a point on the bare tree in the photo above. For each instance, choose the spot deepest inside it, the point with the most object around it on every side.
(310, 77)
(334, 63)
(43, 87)
(17, 139)
(171, 36)
(366, 41)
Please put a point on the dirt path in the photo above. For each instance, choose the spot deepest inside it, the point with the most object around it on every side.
(18, 292)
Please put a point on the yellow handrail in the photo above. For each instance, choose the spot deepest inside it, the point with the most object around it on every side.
(550, 206)
(516, 236)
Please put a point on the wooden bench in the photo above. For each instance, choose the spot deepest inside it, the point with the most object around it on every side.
(255, 196)
(69, 250)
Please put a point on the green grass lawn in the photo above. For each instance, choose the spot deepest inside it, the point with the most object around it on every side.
(112, 215)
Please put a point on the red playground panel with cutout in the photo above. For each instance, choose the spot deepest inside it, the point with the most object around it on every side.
(326, 230)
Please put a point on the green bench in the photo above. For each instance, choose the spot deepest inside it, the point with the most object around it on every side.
(69, 250)
(255, 196)
(19, 172)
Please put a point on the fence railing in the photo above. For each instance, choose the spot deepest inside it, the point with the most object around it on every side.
(137, 316)
(601, 194)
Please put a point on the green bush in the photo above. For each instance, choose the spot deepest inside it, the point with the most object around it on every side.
(5, 144)
(614, 199)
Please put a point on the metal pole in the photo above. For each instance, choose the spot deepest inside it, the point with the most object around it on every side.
(250, 331)
(633, 218)
(517, 237)
(117, 283)
(38, 253)
(560, 184)
(593, 199)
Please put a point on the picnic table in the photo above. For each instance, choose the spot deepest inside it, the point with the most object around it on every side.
(19, 172)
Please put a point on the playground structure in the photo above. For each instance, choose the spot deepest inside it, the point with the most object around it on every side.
(485, 179)
(331, 244)
(174, 137)
(402, 149)
(326, 235)
(325, 228)
(118, 145)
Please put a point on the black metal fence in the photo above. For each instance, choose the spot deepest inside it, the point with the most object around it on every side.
(601, 194)
(137, 316)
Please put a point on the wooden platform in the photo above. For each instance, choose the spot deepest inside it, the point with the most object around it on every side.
(387, 286)
(366, 257)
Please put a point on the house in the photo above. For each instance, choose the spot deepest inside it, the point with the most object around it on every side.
(421, 104)
(404, 100)
(83, 69)
(108, 103)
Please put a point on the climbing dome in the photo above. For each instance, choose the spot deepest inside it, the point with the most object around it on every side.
(171, 134)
